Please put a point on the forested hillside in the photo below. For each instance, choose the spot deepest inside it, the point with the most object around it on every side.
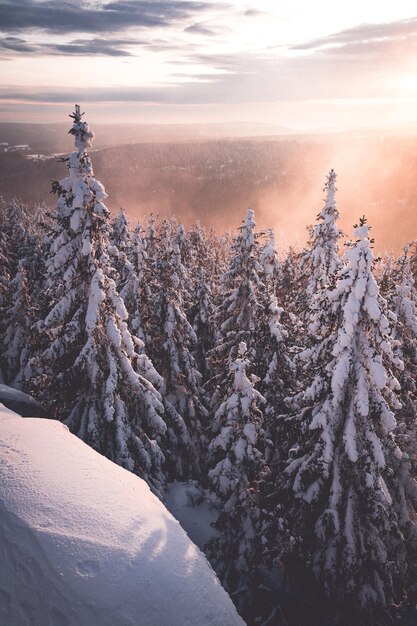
(283, 385)
(213, 180)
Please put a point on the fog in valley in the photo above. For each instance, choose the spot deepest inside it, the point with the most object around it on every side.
(211, 175)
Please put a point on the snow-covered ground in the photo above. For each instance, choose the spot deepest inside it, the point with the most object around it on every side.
(194, 508)
(84, 542)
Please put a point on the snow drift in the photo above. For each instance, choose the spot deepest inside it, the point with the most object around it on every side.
(84, 542)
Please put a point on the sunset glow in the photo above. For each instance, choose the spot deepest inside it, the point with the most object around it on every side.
(303, 65)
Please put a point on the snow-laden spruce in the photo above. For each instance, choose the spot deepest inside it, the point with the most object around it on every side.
(321, 261)
(347, 501)
(18, 319)
(22, 306)
(244, 305)
(201, 315)
(91, 371)
(119, 248)
(306, 273)
(133, 291)
(247, 310)
(238, 301)
(198, 256)
(171, 341)
(270, 262)
(4, 284)
(402, 297)
(237, 463)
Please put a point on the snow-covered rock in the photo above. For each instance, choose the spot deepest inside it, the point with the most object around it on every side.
(84, 542)
(20, 402)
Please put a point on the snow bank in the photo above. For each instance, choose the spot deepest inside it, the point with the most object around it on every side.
(84, 542)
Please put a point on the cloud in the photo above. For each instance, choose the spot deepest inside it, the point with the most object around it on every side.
(102, 47)
(72, 16)
(45, 94)
(96, 46)
(253, 13)
(16, 44)
(199, 29)
(355, 40)
(241, 78)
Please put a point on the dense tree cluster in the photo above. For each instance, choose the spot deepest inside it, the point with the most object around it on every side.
(285, 385)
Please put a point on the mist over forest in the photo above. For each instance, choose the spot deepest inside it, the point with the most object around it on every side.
(196, 174)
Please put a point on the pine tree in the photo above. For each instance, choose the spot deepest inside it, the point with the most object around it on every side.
(91, 373)
(119, 248)
(248, 319)
(277, 369)
(240, 299)
(201, 316)
(346, 498)
(237, 465)
(171, 341)
(4, 257)
(269, 260)
(15, 227)
(18, 318)
(402, 298)
(290, 289)
(246, 311)
(198, 258)
(322, 261)
(133, 291)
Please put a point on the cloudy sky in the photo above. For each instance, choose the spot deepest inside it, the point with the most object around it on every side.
(296, 63)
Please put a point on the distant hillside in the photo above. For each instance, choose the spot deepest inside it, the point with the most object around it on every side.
(51, 138)
(214, 181)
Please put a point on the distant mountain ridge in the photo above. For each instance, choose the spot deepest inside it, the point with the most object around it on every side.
(54, 137)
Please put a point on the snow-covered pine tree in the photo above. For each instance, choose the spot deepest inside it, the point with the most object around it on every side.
(91, 373)
(270, 262)
(171, 341)
(322, 260)
(246, 311)
(4, 257)
(14, 288)
(16, 220)
(186, 284)
(220, 257)
(402, 298)
(25, 297)
(278, 378)
(347, 499)
(384, 268)
(151, 238)
(133, 291)
(201, 314)
(290, 288)
(198, 258)
(248, 316)
(18, 320)
(239, 302)
(237, 465)
(195, 251)
(119, 248)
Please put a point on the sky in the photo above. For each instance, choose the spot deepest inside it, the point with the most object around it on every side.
(301, 65)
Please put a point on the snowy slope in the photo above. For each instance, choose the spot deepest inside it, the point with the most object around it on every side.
(84, 542)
